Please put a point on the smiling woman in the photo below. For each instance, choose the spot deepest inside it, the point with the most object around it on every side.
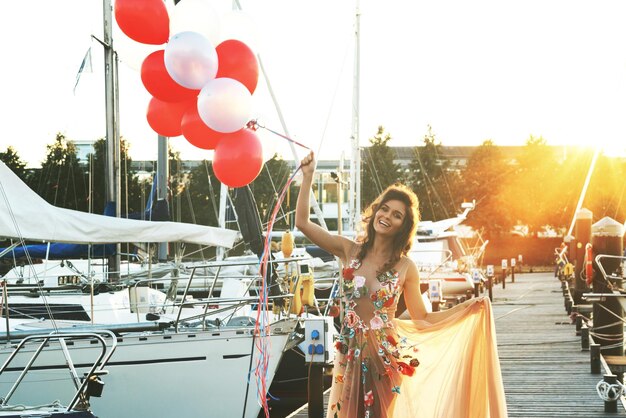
(377, 370)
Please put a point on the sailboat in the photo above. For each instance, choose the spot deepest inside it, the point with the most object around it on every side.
(225, 359)
(217, 359)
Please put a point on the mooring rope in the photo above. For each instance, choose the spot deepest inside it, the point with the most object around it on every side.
(610, 392)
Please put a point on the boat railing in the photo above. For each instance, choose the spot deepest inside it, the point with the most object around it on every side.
(214, 306)
(612, 278)
(86, 386)
(431, 268)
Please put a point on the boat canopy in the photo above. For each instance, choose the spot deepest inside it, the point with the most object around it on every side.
(25, 215)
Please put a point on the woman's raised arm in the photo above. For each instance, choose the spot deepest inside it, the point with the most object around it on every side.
(335, 244)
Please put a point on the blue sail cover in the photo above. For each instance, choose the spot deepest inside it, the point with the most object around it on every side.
(61, 251)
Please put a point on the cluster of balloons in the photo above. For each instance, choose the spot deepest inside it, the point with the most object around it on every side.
(201, 91)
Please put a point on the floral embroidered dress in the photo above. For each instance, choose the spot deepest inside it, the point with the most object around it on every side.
(371, 359)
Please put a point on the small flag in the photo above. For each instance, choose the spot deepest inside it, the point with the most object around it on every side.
(85, 66)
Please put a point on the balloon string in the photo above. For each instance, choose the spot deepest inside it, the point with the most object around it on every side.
(262, 329)
(254, 125)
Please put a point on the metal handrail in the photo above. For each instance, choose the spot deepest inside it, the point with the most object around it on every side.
(604, 274)
(236, 303)
(96, 368)
(440, 265)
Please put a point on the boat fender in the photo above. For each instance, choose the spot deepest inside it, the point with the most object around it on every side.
(296, 303)
(308, 291)
(568, 270)
(286, 244)
(589, 264)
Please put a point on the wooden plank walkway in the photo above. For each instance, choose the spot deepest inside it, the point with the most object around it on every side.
(545, 372)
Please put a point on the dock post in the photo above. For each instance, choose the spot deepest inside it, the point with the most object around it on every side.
(316, 391)
(568, 306)
(594, 354)
(607, 240)
(513, 270)
(582, 237)
(584, 337)
(610, 405)
(579, 321)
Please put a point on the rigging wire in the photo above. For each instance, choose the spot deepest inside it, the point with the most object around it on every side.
(375, 177)
(431, 188)
(269, 176)
(619, 202)
(211, 190)
(28, 257)
(423, 171)
(262, 321)
(445, 180)
(262, 328)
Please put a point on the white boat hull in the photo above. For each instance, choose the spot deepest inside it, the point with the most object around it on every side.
(186, 374)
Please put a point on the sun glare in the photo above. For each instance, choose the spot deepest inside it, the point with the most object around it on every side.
(613, 150)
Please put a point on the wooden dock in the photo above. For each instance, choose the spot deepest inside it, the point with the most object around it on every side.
(545, 371)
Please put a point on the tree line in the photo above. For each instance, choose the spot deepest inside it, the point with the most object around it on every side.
(536, 187)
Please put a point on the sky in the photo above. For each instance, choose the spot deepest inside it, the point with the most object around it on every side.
(471, 70)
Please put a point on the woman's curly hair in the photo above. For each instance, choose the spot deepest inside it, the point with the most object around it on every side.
(403, 240)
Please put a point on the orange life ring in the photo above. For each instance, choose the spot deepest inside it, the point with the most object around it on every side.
(588, 264)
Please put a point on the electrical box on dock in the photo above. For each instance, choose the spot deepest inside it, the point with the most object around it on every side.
(318, 340)
(435, 290)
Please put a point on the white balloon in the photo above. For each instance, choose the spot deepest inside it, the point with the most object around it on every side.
(225, 105)
(196, 16)
(190, 59)
(239, 25)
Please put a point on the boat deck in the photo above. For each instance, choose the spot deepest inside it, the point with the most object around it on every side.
(544, 369)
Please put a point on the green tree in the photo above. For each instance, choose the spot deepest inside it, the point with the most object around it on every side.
(14, 162)
(131, 189)
(176, 184)
(201, 193)
(484, 179)
(532, 198)
(62, 181)
(198, 197)
(379, 169)
(433, 180)
(266, 188)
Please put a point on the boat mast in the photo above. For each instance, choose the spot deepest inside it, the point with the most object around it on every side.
(113, 190)
(162, 179)
(355, 167)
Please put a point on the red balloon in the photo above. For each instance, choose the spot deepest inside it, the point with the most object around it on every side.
(158, 82)
(197, 132)
(236, 60)
(238, 158)
(165, 117)
(145, 21)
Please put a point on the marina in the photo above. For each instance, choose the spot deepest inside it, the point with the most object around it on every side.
(234, 285)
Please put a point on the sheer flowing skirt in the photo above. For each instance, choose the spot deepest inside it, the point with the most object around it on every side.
(458, 377)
